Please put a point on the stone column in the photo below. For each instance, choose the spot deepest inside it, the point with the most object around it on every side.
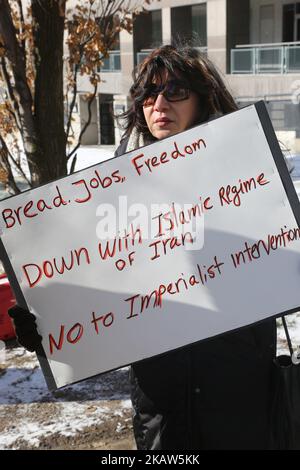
(216, 33)
(166, 25)
(127, 59)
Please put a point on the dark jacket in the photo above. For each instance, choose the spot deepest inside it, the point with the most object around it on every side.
(212, 395)
(122, 147)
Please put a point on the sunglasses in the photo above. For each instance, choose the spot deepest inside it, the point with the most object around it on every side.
(172, 91)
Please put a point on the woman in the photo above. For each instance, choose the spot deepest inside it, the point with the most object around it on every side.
(213, 395)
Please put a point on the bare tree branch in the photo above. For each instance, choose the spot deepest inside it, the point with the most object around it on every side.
(90, 101)
(5, 164)
(12, 98)
(23, 94)
(73, 102)
(73, 164)
(74, 90)
(17, 165)
(22, 23)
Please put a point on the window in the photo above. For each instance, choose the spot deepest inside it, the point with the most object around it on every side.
(291, 22)
(189, 23)
(107, 126)
(147, 31)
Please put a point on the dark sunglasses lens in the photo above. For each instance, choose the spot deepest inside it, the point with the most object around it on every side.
(149, 100)
(151, 94)
(176, 93)
(172, 92)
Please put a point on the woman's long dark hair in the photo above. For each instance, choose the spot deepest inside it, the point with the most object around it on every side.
(190, 65)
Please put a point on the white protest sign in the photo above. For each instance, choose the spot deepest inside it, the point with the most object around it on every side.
(206, 242)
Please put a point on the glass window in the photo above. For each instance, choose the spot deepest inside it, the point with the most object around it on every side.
(199, 23)
(156, 39)
(288, 22)
(147, 33)
(189, 23)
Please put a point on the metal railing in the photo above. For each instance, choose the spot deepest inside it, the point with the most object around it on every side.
(266, 58)
(112, 63)
(140, 56)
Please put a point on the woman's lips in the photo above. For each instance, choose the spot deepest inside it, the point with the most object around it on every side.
(162, 122)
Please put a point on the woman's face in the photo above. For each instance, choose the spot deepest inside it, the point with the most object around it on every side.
(165, 118)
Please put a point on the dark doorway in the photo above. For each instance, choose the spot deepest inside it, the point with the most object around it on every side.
(188, 23)
(107, 126)
(291, 22)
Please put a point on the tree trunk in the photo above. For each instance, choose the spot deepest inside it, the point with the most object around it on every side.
(22, 93)
(49, 96)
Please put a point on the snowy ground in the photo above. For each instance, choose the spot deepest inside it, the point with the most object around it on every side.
(94, 414)
(293, 323)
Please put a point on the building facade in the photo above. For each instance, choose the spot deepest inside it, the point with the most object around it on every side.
(254, 43)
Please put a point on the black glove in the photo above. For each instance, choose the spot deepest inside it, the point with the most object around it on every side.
(25, 326)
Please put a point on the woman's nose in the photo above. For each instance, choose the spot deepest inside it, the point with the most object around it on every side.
(161, 103)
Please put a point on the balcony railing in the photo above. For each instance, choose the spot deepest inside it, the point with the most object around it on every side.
(266, 58)
(112, 63)
(140, 56)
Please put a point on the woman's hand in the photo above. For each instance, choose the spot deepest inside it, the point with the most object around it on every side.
(25, 327)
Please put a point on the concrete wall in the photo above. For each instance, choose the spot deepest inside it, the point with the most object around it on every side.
(264, 85)
(216, 33)
(255, 20)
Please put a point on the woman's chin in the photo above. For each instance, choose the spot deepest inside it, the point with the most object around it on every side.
(163, 133)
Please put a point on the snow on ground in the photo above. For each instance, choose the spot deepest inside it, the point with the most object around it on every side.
(31, 416)
(24, 374)
(95, 413)
(293, 323)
